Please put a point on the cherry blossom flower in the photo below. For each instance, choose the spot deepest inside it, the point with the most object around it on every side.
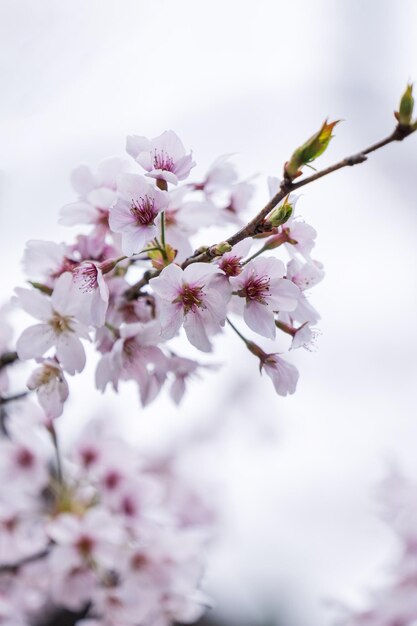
(134, 356)
(182, 369)
(23, 459)
(220, 175)
(97, 193)
(186, 298)
(51, 387)
(265, 291)
(284, 375)
(59, 326)
(134, 213)
(47, 260)
(163, 157)
(88, 277)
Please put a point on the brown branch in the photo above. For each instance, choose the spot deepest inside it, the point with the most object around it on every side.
(287, 186)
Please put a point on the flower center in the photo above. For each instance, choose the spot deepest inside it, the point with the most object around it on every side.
(162, 161)
(48, 373)
(61, 323)
(191, 297)
(256, 289)
(85, 276)
(144, 211)
(231, 266)
(85, 545)
(25, 458)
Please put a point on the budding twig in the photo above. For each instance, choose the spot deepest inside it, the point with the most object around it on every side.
(287, 186)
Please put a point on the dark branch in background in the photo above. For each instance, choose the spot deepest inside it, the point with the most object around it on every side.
(17, 396)
(287, 186)
(13, 568)
(7, 358)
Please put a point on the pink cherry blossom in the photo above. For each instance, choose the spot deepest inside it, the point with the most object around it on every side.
(47, 260)
(59, 326)
(284, 375)
(163, 157)
(135, 212)
(265, 291)
(186, 298)
(88, 277)
(134, 356)
(51, 387)
(97, 193)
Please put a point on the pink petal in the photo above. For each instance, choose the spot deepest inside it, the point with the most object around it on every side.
(260, 319)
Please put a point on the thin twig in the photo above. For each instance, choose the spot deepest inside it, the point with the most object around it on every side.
(287, 186)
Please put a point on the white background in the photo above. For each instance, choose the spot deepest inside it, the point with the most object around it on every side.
(296, 476)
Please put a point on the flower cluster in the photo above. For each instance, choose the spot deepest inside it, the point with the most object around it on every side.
(103, 533)
(131, 282)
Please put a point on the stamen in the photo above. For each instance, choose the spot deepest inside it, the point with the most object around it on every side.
(85, 276)
(256, 289)
(191, 298)
(143, 210)
(162, 161)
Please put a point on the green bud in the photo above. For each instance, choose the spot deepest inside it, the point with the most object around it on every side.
(405, 113)
(222, 247)
(280, 214)
(310, 150)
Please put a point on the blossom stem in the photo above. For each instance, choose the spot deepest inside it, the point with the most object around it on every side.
(238, 333)
(163, 230)
(285, 328)
(54, 438)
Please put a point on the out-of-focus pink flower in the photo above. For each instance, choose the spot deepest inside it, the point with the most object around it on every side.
(97, 193)
(51, 387)
(163, 157)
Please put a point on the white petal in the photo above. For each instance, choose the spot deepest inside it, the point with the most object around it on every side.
(35, 341)
(260, 318)
(70, 352)
(196, 332)
(35, 303)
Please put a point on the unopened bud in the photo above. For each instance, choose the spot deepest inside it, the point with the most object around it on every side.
(161, 259)
(281, 214)
(310, 150)
(222, 248)
(405, 112)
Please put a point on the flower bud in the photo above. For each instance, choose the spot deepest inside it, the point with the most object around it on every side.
(281, 214)
(222, 248)
(161, 260)
(405, 113)
(310, 150)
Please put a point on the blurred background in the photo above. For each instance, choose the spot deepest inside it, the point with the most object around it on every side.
(294, 478)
